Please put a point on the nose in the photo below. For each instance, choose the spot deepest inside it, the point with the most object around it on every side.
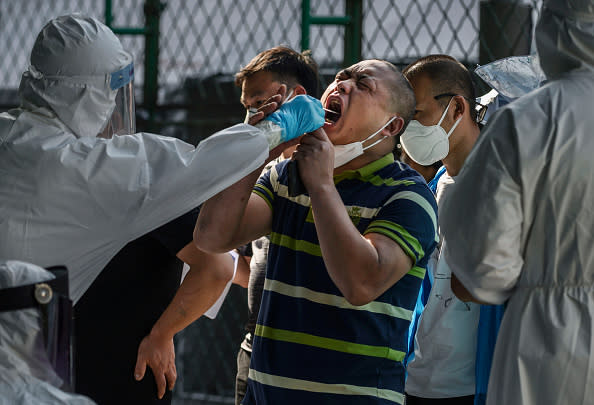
(249, 102)
(344, 86)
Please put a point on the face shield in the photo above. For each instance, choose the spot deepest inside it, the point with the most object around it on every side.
(123, 117)
(51, 299)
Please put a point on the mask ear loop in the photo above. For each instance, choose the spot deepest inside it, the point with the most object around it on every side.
(443, 116)
(288, 96)
(377, 132)
(445, 112)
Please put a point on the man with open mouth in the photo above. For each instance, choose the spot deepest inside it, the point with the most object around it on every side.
(346, 257)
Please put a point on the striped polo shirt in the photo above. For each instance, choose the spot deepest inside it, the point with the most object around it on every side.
(311, 345)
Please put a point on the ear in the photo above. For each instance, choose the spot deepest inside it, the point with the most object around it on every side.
(395, 126)
(299, 89)
(460, 107)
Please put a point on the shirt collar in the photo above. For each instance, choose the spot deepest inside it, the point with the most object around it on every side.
(367, 170)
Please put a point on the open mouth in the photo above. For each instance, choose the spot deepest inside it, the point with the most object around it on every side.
(333, 111)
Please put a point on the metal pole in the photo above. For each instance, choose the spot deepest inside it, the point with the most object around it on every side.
(305, 23)
(108, 13)
(353, 32)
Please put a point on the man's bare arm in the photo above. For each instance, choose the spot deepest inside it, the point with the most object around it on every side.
(233, 217)
(374, 262)
(204, 283)
(362, 267)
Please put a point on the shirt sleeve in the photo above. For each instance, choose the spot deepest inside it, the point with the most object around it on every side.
(482, 217)
(409, 218)
(268, 183)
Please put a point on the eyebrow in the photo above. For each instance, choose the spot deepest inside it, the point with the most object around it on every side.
(359, 73)
(258, 93)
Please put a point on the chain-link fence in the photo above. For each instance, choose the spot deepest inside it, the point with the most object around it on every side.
(202, 43)
(184, 79)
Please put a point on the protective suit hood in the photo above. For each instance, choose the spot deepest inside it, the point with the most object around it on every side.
(71, 63)
(565, 36)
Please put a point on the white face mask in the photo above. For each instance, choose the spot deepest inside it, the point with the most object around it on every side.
(345, 153)
(252, 111)
(427, 144)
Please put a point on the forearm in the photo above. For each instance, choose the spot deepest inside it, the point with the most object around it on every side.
(198, 292)
(357, 274)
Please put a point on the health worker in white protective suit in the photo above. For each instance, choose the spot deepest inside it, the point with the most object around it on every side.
(34, 337)
(519, 224)
(73, 194)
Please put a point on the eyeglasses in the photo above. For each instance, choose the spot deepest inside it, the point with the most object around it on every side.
(481, 109)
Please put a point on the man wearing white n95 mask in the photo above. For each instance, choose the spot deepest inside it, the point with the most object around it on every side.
(519, 225)
(70, 197)
(444, 128)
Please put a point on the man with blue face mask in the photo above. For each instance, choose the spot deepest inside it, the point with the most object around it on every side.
(346, 257)
(444, 128)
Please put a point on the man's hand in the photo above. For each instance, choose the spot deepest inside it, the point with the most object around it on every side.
(315, 155)
(158, 353)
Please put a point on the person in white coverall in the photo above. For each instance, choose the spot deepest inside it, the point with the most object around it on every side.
(519, 224)
(71, 197)
(27, 377)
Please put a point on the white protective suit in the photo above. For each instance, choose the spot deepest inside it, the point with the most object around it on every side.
(70, 198)
(26, 376)
(520, 223)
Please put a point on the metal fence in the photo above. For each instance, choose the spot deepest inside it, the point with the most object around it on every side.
(200, 44)
(186, 52)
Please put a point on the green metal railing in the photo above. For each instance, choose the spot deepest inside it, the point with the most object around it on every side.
(151, 32)
(352, 21)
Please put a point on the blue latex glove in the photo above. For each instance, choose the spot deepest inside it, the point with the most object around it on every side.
(298, 116)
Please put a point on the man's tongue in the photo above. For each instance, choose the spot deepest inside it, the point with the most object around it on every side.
(331, 116)
(333, 112)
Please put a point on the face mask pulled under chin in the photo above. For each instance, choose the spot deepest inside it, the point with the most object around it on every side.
(427, 144)
(343, 154)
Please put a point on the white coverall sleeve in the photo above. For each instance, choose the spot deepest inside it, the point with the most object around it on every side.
(160, 178)
(482, 216)
(132, 184)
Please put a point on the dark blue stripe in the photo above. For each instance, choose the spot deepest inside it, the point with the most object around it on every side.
(362, 327)
(281, 396)
(325, 366)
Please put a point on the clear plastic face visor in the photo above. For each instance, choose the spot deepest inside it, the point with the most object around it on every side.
(123, 118)
(52, 301)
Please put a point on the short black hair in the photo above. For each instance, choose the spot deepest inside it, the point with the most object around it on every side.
(447, 75)
(402, 95)
(287, 65)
